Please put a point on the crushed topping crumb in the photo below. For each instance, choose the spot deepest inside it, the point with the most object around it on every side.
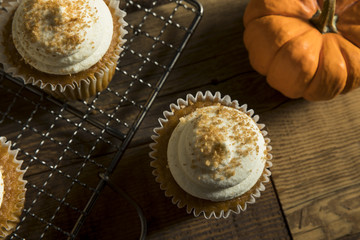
(58, 25)
(211, 134)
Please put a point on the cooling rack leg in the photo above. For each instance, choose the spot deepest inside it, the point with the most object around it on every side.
(124, 195)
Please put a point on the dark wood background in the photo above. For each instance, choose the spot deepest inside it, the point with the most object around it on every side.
(314, 191)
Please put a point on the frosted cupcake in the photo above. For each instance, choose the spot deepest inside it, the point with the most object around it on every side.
(210, 155)
(12, 188)
(68, 48)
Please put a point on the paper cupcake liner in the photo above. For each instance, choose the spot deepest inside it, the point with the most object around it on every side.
(14, 188)
(179, 197)
(80, 89)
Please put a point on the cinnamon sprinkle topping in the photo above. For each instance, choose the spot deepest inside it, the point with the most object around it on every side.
(58, 25)
(211, 134)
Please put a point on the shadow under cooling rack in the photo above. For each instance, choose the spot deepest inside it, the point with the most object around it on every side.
(65, 145)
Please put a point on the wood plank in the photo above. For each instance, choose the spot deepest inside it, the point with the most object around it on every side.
(317, 164)
(316, 149)
(112, 214)
(210, 62)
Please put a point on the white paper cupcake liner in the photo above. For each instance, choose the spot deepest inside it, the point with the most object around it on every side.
(79, 89)
(161, 171)
(9, 217)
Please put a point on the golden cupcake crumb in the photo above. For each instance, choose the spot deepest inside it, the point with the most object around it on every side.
(63, 20)
(210, 140)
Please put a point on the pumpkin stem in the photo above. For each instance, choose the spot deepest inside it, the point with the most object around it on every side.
(325, 19)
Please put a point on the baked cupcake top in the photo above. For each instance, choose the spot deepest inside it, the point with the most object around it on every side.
(13, 188)
(216, 153)
(1, 186)
(62, 36)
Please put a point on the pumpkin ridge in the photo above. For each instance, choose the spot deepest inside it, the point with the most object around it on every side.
(344, 9)
(254, 52)
(321, 53)
(353, 80)
(304, 9)
(294, 36)
(328, 75)
(349, 82)
(277, 15)
(281, 85)
(282, 48)
(346, 30)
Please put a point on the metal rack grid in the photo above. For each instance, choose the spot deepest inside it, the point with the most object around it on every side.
(65, 145)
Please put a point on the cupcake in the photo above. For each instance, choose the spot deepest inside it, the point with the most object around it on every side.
(68, 48)
(12, 188)
(210, 155)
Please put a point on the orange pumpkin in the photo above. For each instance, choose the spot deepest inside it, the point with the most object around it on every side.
(305, 48)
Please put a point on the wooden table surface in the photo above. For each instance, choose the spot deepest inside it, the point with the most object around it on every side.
(314, 192)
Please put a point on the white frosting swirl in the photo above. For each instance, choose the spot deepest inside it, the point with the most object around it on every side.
(1, 187)
(62, 36)
(216, 153)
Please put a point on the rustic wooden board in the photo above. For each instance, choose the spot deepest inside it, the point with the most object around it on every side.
(314, 190)
(317, 165)
(215, 59)
(113, 215)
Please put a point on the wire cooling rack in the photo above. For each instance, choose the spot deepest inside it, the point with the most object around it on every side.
(65, 145)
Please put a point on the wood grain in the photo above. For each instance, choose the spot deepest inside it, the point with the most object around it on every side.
(317, 165)
(210, 62)
(165, 221)
(314, 191)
